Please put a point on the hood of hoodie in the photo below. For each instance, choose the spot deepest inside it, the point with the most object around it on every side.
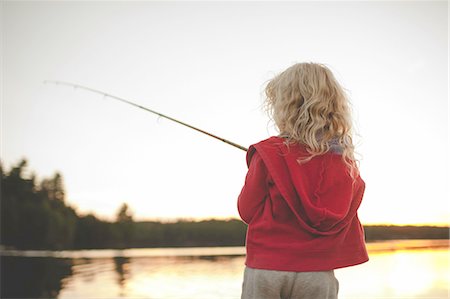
(321, 194)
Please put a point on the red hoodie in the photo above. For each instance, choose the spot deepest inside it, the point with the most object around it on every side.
(301, 217)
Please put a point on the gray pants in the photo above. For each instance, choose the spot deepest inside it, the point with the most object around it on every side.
(269, 284)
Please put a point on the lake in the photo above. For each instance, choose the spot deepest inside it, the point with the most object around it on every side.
(397, 269)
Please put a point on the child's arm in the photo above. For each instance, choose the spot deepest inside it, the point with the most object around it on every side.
(255, 189)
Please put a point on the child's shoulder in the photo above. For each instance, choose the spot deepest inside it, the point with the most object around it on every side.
(272, 140)
(280, 143)
(263, 146)
(276, 146)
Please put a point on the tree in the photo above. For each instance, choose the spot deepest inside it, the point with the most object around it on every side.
(35, 216)
(16, 199)
(54, 188)
(125, 225)
(124, 215)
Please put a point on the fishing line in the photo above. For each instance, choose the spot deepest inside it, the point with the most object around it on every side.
(106, 95)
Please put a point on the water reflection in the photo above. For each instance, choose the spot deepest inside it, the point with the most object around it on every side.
(158, 277)
(396, 273)
(122, 268)
(186, 278)
(25, 277)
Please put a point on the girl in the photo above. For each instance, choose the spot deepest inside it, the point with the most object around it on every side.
(302, 191)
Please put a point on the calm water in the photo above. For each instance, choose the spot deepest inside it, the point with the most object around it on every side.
(397, 269)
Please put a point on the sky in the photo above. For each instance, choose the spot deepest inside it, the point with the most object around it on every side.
(207, 63)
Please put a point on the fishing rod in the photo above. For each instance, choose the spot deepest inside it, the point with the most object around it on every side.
(106, 95)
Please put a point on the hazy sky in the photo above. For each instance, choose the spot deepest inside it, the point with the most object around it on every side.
(206, 63)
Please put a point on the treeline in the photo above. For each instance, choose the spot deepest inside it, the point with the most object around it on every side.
(392, 232)
(189, 233)
(34, 215)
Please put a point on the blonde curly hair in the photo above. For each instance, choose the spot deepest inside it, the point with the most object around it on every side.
(309, 106)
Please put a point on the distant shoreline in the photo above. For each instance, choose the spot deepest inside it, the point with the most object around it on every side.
(231, 233)
(225, 251)
(395, 232)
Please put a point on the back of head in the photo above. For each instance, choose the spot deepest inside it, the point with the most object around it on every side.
(310, 107)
